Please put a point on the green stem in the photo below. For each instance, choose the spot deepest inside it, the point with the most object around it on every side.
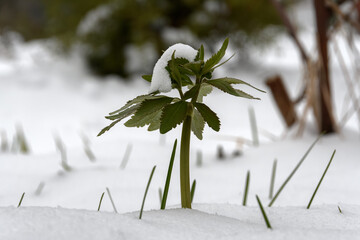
(184, 161)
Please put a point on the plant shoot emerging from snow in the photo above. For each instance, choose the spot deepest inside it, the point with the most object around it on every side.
(182, 68)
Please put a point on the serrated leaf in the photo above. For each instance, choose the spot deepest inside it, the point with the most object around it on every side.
(147, 111)
(147, 77)
(191, 93)
(238, 81)
(174, 71)
(209, 116)
(123, 114)
(223, 86)
(215, 59)
(195, 67)
(219, 65)
(204, 91)
(245, 95)
(197, 124)
(107, 128)
(155, 124)
(136, 100)
(118, 117)
(142, 121)
(200, 54)
(173, 115)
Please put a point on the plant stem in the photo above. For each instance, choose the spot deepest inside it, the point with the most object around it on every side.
(184, 163)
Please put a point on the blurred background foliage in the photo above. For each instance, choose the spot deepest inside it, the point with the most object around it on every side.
(106, 29)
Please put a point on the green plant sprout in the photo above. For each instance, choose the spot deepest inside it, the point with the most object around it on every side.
(184, 69)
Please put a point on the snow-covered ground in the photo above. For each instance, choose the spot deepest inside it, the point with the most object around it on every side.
(53, 97)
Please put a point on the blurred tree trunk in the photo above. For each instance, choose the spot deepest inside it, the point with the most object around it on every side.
(323, 108)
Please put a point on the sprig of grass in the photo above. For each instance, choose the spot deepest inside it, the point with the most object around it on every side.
(272, 180)
(168, 176)
(254, 128)
(4, 142)
(263, 213)
(247, 183)
(160, 195)
(111, 200)
(126, 156)
(322, 177)
(21, 199)
(220, 153)
(62, 150)
(89, 153)
(101, 198)
(39, 188)
(22, 142)
(87, 149)
(339, 209)
(146, 191)
(199, 158)
(192, 191)
(293, 171)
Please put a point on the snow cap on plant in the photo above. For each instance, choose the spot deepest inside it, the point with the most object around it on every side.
(161, 80)
(184, 69)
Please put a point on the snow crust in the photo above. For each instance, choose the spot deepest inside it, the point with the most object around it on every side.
(161, 78)
(206, 221)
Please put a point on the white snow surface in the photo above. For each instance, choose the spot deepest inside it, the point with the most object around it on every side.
(215, 221)
(161, 78)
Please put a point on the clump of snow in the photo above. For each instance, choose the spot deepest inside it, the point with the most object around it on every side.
(161, 78)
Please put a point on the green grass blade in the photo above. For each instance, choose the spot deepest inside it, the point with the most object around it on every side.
(272, 180)
(146, 191)
(192, 191)
(21, 199)
(253, 125)
(339, 209)
(101, 198)
(263, 213)
(322, 177)
(111, 200)
(247, 183)
(39, 188)
(199, 158)
(160, 195)
(126, 156)
(293, 171)
(168, 177)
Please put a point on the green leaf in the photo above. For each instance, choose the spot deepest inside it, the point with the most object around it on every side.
(136, 100)
(118, 117)
(191, 93)
(155, 123)
(107, 128)
(204, 91)
(200, 54)
(226, 87)
(237, 81)
(125, 113)
(209, 116)
(219, 65)
(197, 124)
(174, 71)
(173, 115)
(147, 111)
(223, 86)
(245, 95)
(142, 121)
(195, 67)
(147, 77)
(215, 59)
